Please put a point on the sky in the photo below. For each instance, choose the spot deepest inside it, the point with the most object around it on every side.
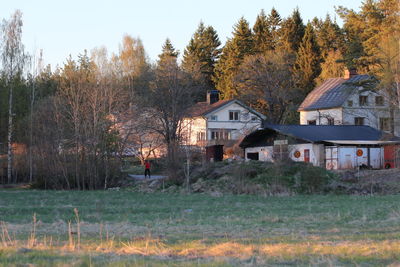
(67, 27)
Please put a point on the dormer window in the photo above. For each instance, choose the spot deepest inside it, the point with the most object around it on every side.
(363, 100)
(234, 115)
(213, 118)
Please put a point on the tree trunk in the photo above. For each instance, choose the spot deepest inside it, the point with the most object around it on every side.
(31, 134)
(10, 134)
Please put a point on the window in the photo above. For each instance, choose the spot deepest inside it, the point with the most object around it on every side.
(220, 135)
(358, 121)
(234, 115)
(331, 121)
(384, 124)
(363, 100)
(379, 101)
(350, 103)
(253, 118)
(214, 118)
(201, 136)
(312, 122)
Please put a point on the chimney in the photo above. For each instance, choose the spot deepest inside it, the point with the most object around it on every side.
(349, 73)
(212, 96)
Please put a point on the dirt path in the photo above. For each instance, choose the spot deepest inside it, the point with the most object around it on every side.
(152, 177)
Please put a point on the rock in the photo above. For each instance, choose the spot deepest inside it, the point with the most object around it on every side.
(216, 194)
(114, 188)
(155, 183)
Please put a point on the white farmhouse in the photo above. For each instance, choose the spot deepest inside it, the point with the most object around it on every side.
(220, 121)
(348, 101)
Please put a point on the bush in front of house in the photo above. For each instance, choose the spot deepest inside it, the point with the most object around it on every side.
(256, 177)
(297, 177)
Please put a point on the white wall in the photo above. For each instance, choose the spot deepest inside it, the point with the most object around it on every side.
(191, 127)
(264, 153)
(321, 116)
(240, 128)
(316, 153)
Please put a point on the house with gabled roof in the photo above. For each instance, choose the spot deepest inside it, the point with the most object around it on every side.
(349, 100)
(216, 121)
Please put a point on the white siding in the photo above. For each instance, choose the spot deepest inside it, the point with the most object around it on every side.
(239, 128)
(321, 116)
(266, 153)
(191, 128)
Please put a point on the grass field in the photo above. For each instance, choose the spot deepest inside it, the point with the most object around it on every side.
(120, 228)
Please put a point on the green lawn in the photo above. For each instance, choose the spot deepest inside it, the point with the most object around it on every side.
(125, 228)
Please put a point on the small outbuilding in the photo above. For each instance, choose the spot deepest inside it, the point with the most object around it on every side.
(331, 146)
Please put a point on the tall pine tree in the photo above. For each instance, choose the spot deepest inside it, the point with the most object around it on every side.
(262, 37)
(274, 23)
(329, 35)
(331, 41)
(232, 56)
(292, 32)
(200, 56)
(308, 60)
(168, 56)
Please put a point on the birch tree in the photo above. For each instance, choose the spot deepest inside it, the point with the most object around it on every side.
(13, 60)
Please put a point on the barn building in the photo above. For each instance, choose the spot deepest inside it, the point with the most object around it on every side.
(331, 146)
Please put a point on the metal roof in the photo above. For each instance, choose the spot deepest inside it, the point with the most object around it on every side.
(351, 134)
(332, 93)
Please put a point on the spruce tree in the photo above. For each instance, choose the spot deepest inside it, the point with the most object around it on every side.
(308, 60)
(232, 56)
(274, 23)
(200, 56)
(331, 42)
(292, 32)
(168, 56)
(262, 37)
(329, 35)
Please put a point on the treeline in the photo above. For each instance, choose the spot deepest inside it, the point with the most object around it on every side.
(70, 127)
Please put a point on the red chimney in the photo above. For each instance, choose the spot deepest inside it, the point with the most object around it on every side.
(348, 73)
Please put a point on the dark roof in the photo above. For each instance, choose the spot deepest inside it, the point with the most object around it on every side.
(203, 108)
(332, 93)
(320, 133)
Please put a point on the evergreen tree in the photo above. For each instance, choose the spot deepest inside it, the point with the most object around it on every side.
(200, 56)
(292, 32)
(262, 37)
(332, 66)
(168, 51)
(308, 61)
(168, 57)
(360, 31)
(232, 56)
(329, 35)
(274, 23)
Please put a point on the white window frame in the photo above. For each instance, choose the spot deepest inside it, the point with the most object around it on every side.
(213, 118)
(235, 118)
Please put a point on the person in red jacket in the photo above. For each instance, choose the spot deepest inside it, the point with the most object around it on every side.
(146, 169)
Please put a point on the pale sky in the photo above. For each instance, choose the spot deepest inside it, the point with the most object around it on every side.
(67, 27)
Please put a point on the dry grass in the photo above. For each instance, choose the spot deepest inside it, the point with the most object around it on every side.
(239, 231)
